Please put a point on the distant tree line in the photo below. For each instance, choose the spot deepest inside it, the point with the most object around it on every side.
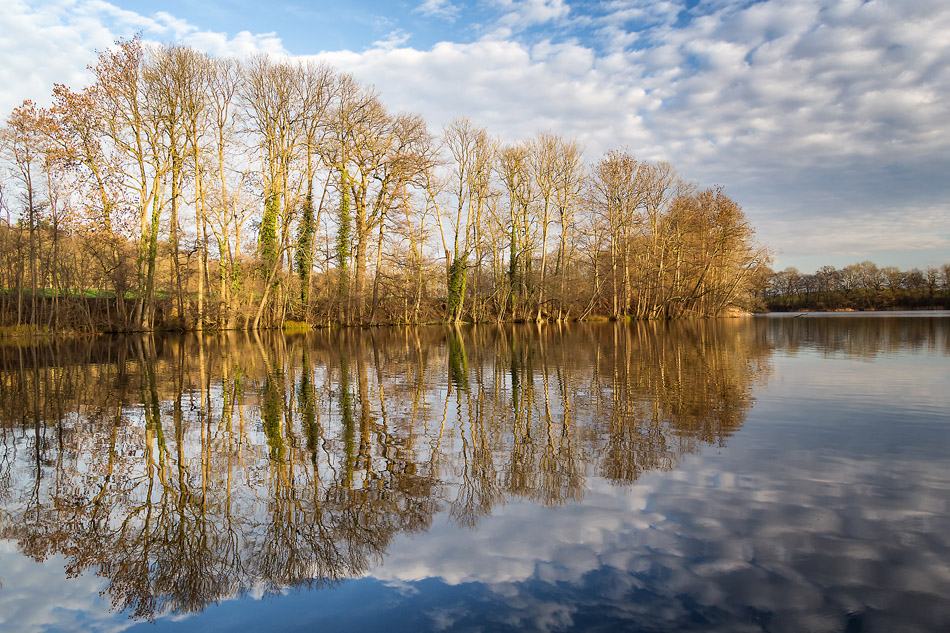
(862, 286)
(184, 191)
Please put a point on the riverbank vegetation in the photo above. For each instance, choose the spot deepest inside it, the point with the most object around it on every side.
(184, 191)
(862, 286)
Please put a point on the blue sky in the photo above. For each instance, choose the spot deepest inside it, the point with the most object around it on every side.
(827, 120)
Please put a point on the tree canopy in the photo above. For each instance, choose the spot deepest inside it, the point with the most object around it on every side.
(181, 190)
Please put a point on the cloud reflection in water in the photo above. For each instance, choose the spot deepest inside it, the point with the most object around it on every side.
(523, 478)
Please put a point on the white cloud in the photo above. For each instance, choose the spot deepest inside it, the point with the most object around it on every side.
(42, 45)
(438, 9)
(49, 42)
(242, 44)
(393, 39)
(520, 14)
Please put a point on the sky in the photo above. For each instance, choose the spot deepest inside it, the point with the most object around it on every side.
(828, 121)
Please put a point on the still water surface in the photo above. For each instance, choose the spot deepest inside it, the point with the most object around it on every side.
(767, 474)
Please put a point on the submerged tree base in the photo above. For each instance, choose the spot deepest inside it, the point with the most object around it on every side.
(294, 326)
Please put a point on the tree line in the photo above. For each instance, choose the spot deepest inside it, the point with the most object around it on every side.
(862, 286)
(180, 190)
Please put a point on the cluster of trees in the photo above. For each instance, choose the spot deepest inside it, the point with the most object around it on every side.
(862, 286)
(182, 190)
(212, 464)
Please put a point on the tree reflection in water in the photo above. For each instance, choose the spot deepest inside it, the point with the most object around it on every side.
(190, 469)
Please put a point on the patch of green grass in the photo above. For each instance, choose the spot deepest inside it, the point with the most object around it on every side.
(296, 326)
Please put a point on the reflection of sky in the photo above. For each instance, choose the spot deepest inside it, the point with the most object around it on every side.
(831, 501)
(828, 510)
(35, 597)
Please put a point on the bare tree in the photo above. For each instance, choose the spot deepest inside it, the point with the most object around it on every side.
(472, 153)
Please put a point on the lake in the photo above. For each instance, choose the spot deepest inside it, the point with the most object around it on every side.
(762, 474)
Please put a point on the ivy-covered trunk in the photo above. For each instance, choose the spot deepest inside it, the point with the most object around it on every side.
(303, 256)
(343, 245)
(458, 278)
